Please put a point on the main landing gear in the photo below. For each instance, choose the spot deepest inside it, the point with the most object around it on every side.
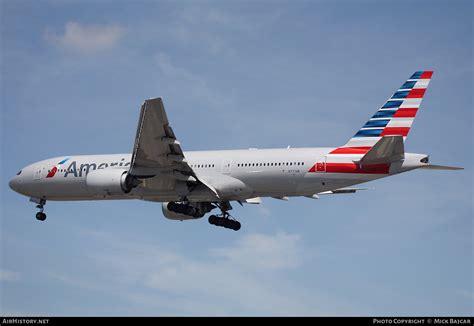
(40, 216)
(224, 219)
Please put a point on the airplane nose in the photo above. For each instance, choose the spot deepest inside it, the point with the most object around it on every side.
(14, 184)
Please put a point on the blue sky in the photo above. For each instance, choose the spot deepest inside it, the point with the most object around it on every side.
(237, 75)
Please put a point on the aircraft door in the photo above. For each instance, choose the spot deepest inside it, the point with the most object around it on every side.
(226, 166)
(321, 164)
(38, 173)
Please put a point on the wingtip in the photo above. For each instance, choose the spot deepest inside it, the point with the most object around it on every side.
(154, 98)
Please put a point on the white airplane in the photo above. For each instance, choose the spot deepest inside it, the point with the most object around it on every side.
(191, 184)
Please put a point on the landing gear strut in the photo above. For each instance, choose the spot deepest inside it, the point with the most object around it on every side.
(40, 216)
(224, 219)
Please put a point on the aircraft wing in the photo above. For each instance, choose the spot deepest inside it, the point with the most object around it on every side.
(157, 152)
(156, 149)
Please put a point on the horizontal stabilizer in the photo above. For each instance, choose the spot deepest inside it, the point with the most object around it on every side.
(387, 150)
(440, 167)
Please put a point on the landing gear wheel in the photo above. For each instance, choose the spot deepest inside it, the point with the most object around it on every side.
(224, 219)
(213, 219)
(236, 226)
(40, 216)
(232, 224)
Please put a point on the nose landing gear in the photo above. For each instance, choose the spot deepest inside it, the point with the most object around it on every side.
(40, 216)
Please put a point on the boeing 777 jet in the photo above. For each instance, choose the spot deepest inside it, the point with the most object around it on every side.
(191, 184)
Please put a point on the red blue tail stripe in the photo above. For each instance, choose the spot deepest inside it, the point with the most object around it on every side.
(394, 118)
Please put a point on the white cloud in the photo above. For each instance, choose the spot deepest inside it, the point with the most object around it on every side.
(200, 27)
(87, 38)
(173, 79)
(208, 28)
(206, 40)
(203, 15)
(8, 276)
(218, 19)
(247, 277)
(261, 251)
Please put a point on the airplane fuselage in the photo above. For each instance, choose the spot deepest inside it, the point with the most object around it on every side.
(264, 172)
(192, 184)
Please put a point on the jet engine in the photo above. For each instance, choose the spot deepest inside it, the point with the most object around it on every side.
(185, 211)
(110, 182)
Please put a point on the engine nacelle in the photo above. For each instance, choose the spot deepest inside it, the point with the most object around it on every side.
(189, 211)
(109, 182)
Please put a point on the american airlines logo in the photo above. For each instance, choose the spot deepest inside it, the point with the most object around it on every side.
(55, 169)
(83, 169)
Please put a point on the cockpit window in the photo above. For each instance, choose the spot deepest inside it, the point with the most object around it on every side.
(425, 159)
(19, 172)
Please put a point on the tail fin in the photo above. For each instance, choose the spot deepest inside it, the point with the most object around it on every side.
(395, 117)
